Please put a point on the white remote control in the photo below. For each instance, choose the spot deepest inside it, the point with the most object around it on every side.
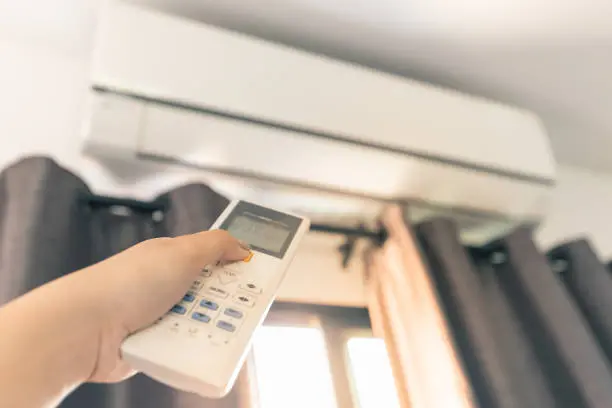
(201, 344)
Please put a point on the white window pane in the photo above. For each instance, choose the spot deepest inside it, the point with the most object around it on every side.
(371, 373)
(292, 368)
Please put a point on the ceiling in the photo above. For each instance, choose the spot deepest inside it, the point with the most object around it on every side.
(553, 57)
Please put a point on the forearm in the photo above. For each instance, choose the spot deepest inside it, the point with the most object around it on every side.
(71, 330)
(48, 343)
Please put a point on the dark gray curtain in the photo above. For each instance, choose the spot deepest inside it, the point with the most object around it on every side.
(533, 329)
(48, 228)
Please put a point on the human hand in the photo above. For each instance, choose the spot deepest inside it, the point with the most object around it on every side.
(140, 284)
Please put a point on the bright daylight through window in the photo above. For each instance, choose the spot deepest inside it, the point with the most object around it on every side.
(293, 370)
(371, 373)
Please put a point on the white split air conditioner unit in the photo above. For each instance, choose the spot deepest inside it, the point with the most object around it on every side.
(170, 89)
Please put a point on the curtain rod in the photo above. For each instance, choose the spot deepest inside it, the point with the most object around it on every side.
(162, 205)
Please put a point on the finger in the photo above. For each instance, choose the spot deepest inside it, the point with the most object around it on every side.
(211, 246)
(236, 253)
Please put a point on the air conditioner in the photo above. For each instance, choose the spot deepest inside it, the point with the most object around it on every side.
(169, 89)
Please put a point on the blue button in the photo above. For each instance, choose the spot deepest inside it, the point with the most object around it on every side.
(201, 317)
(209, 304)
(188, 298)
(178, 309)
(226, 326)
(234, 313)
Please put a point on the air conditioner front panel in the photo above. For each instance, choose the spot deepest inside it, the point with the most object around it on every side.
(156, 55)
(213, 142)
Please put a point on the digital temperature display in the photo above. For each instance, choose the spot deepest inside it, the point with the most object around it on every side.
(258, 232)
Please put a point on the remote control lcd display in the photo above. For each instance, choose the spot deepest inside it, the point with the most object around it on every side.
(259, 232)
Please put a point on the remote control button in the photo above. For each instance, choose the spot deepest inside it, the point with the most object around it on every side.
(206, 272)
(251, 287)
(178, 309)
(193, 331)
(226, 276)
(209, 304)
(219, 338)
(237, 314)
(213, 290)
(188, 298)
(174, 327)
(196, 285)
(223, 325)
(244, 299)
(200, 317)
(238, 267)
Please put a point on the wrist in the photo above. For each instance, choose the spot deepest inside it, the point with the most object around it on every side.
(80, 318)
(103, 299)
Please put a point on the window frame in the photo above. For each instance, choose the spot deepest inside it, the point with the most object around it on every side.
(337, 324)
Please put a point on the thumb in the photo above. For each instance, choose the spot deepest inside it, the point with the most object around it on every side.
(208, 247)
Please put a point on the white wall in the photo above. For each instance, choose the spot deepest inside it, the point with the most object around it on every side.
(581, 207)
(43, 80)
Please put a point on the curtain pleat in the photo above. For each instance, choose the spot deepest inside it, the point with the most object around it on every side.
(524, 335)
(590, 283)
(576, 369)
(48, 229)
(407, 311)
(458, 285)
(44, 227)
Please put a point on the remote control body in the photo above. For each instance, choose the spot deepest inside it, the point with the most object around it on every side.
(201, 344)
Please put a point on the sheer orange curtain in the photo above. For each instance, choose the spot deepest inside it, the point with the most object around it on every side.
(405, 311)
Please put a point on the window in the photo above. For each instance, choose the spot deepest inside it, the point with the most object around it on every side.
(292, 368)
(324, 357)
(372, 379)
